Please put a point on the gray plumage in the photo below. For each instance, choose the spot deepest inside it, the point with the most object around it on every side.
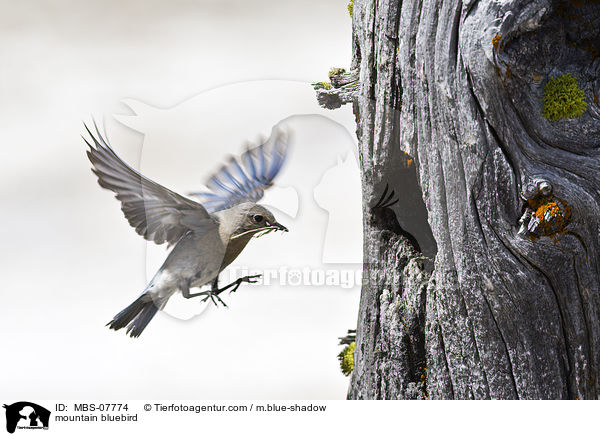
(207, 236)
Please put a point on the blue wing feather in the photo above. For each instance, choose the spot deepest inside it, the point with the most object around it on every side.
(263, 166)
(245, 179)
(248, 160)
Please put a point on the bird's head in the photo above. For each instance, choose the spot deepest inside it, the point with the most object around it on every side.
(254, 220)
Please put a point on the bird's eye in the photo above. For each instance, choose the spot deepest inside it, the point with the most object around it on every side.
(257, 218)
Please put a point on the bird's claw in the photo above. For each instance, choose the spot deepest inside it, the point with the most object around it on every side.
(246, 279)
(251, 279)
(214, 297)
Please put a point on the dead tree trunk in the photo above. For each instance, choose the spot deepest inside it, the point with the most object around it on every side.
(449, 108)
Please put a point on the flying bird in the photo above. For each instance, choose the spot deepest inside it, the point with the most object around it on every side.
(206, 235)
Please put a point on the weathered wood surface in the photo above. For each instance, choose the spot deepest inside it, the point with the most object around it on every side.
(458, 87)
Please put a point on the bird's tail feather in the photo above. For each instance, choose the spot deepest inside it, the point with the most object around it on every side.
(136, 316)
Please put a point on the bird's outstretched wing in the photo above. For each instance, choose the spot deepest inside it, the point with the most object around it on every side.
(245, 179)
(157, 213)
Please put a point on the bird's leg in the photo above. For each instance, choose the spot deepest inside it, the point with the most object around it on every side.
(215, 291)
(185, 291)
(213, 294)
(235, 284)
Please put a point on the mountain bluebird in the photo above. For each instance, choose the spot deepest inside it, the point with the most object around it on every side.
(207, 235)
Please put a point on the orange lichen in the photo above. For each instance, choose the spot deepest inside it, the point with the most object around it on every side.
(496, 41)
(547, 212)
(595, 99)
(422, 375)
(552, 214)
(508, 71)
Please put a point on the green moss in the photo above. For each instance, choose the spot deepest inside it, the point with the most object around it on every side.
(346, 358)
(563, 99)
(334, 71)
(327, 85)
(350, 7)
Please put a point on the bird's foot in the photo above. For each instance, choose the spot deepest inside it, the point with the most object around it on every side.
(214, 293)
(214, 297)
(245, 279)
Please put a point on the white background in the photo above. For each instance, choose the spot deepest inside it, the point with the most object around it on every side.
(69, 259)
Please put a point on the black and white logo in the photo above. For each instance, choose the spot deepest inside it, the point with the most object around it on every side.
(26, 415)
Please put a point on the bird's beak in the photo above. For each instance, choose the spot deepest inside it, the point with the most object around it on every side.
(278, 226)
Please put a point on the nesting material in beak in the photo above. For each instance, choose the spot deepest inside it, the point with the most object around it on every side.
(279, 227)
(271, 227)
